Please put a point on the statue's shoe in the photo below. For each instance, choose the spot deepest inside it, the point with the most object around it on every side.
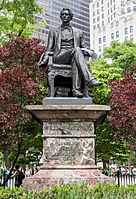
(77, 94)
(93, 83)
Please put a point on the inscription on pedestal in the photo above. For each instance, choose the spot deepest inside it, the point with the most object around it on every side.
(68, 128)
(68, 143)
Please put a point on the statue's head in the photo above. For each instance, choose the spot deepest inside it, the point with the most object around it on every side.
(66, 15)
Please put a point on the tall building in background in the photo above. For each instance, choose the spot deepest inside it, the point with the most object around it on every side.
(111, 20)
(52, 8)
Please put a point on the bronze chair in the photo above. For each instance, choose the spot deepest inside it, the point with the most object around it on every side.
(58, 73)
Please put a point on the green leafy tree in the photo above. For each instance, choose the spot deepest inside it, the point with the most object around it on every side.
(17, 18)
(122, 56)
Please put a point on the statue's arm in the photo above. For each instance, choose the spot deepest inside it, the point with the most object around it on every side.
(51, 41)
(82, 41)
(88, 52)
(50, 48)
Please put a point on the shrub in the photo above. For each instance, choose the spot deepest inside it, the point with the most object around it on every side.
(73, 191)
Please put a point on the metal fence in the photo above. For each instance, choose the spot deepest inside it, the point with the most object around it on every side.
(121, 180)
(10, 183)
(125, 180)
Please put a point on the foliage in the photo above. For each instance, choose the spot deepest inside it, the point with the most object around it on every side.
(122, 56)
(17, 18)
(18, 80)
(32, 148)
(104, 72)
(1, 159)
(19, 86)
(73, 191)
(123, 104)
(108, 146)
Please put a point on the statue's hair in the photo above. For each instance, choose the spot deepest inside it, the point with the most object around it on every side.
(70, 12)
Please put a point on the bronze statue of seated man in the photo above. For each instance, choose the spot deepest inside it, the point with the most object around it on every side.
(68, 46)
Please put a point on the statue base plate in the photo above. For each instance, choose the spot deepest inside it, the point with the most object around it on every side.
(67, 101)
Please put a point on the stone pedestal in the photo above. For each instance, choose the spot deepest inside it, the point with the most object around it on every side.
(68, 145)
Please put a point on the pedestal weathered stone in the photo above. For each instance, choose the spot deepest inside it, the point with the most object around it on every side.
(68, 145)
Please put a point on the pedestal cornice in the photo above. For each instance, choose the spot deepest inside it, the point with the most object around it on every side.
(68, 112)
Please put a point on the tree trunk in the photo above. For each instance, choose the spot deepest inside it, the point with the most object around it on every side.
(104, 164)
(6, 158)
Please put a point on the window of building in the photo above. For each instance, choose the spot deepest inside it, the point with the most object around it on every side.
(98, 11)
(94, 27)
(102, 23)
(104, 39)
(114, 7)
(102, 16)
(131, 28)
(98, 25)
(100, 40)
(126, 38)
(111, 17)
(117, 23)
(93, 13)
(128, 9)
(93, 7)
(117, 34)
(97, 5)
(126, 31)
(108, 12)
(112, 35)
(108, 19)
(111, 2)
(101, 1)
(102, 9)
(114, 14)
(111, 10)
(134, 8)
(128, 2)
(108, 4)
(122, 11)
(131, 37)
(122, 3)
(100, 48)
(94, 20)
(98, 19)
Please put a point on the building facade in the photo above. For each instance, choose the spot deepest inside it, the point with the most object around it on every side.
(52, 8)
(111, 20)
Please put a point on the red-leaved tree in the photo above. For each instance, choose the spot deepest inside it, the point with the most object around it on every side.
(19, 86)
(123, 105)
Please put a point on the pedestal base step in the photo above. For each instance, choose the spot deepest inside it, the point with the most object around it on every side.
(48, 177)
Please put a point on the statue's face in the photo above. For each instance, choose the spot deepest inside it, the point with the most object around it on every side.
(65, 16)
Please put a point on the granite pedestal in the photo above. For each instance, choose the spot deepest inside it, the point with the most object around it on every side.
(68, 145)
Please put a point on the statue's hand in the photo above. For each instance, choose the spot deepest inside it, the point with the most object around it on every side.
(43, 60)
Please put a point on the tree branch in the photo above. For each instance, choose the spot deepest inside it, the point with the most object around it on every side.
(2, 5)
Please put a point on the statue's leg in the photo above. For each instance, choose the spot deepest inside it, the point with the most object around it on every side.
(82, 64)
(66, 57)
(76, 80)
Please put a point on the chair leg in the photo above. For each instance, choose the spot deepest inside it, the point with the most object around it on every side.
(85, 90)
(52, 88)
